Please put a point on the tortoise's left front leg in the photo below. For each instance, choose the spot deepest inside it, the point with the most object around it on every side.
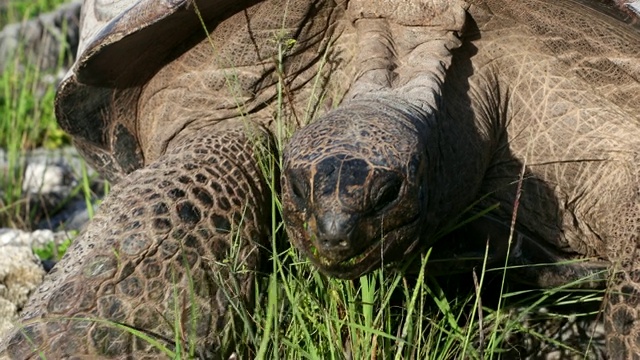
(622, 302)
(172, 255)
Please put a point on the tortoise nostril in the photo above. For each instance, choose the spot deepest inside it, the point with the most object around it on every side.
(332, 243)
(334, 231)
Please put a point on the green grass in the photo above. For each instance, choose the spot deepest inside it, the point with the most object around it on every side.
(390, 315)
(53, 251)
(300, 313)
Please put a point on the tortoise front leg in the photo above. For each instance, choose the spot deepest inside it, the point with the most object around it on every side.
(622, 302)
(174, 248)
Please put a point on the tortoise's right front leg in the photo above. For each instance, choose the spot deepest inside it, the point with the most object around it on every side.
(173, 249)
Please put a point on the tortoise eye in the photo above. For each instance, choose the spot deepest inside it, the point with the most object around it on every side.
(387, 194)
(298, 188)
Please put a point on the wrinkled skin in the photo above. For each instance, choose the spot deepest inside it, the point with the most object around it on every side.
(531, 105)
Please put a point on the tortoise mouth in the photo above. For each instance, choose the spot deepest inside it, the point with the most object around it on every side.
(386, 249)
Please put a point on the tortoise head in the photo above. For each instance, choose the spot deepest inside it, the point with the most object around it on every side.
(352, 189)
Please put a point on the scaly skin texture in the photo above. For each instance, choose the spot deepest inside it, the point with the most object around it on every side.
(570, 103)
(442, 103)
(174, 222)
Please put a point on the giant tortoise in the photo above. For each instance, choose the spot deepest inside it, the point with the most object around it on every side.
(428, 112)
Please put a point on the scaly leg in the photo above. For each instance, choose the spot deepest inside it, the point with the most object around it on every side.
(622, 303)
(176, 242)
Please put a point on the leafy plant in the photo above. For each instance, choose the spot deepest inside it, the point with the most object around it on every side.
(53, 251)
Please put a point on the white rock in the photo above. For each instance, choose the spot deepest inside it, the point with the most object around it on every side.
(20, 274)
(14, 237)
(35, 239)
(43, 178)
